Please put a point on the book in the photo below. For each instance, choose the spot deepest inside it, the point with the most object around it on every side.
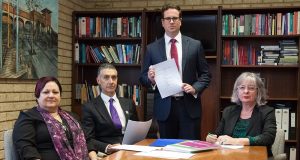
(164, 142)
(191, 146)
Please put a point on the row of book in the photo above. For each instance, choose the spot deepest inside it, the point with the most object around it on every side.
(261, 24)
(235, 53)
(86, 92)
(120, 53)
(286, 120)
(108, 27)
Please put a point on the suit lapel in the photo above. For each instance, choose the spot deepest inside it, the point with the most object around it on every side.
(162, 49)
(254, 119)
(185, 51)
(101, 109)
(124, 107)
(235, 116)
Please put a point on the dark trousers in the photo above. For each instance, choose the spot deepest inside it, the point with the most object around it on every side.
(179, 125)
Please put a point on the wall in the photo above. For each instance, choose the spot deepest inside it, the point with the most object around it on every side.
(16, 95)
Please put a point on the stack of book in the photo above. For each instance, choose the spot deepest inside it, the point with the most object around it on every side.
(289, 52)
(269, 55)
(191, 146)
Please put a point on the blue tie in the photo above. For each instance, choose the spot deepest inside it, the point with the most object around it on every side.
(114, 114)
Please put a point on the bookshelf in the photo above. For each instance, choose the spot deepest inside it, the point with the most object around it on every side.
(282, 80)
(114, 37)
(245, 45)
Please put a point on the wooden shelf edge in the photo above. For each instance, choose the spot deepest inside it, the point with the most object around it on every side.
(115, 64)
(108, 38)
(259, 66)
(269, 99)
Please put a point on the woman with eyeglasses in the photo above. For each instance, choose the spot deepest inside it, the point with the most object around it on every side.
(250, 121)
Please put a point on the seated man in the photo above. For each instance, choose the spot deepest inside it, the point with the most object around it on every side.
(104, 118)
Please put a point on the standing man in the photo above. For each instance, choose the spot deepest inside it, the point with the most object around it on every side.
(178, 116)
(105, 117)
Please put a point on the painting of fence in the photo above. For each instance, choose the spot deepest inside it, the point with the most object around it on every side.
(29, 36)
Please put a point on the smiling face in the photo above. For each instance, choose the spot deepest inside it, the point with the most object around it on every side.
(50, 96)
(247, 92)
(108, 80)
(171, 21)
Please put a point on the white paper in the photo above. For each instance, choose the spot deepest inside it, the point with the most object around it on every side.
(136, 131)
(167, 78)
(232, 146)
(138, 148)
(165, 154)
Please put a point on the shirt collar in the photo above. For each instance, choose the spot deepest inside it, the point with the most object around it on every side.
(106, 98)
(167, 38)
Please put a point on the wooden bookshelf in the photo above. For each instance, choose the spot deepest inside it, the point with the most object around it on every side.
(282, 81)
(128, 37)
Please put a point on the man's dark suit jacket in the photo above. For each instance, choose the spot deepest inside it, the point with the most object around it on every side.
(262, 124)
(98, 125)
(194, 72)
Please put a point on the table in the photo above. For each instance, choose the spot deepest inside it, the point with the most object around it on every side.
(247, 153)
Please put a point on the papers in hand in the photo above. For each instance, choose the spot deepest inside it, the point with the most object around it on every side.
(136, 131)
(191, 146)
(167, 78)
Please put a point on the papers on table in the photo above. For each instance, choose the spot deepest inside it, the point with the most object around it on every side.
(136, 131)
(167, 78)
(232, 146)
(165, 154)
(138, 148)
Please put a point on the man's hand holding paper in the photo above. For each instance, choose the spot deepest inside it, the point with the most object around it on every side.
(167, 78)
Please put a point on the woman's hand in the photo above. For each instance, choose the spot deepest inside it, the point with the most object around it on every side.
(212, 138)
(227, 140)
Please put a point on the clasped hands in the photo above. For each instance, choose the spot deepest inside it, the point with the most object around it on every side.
(187, 88)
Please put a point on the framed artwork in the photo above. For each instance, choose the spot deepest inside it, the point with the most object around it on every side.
(29, 36)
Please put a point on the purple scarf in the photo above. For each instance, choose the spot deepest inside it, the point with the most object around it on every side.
(59, 138)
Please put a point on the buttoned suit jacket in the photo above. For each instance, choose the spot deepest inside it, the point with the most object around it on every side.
(99, 126)
(194, 72)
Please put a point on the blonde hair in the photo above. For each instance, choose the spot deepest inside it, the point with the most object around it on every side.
(261, 98)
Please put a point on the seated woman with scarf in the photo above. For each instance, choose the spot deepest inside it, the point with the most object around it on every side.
(46, 131)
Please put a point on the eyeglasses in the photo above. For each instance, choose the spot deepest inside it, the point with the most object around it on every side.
(174, 19)
(249, 88)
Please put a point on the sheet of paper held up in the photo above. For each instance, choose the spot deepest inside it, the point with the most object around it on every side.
(167, 78)
(136, 131)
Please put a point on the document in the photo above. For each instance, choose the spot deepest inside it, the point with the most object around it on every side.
(167, 78)
(228, 146)
(138, 148)
(136, 131)
(165, 154)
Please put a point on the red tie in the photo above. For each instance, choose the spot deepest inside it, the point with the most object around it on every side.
(174, 53)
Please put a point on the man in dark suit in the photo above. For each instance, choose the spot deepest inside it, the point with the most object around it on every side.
(99, 120)
(179, 115)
